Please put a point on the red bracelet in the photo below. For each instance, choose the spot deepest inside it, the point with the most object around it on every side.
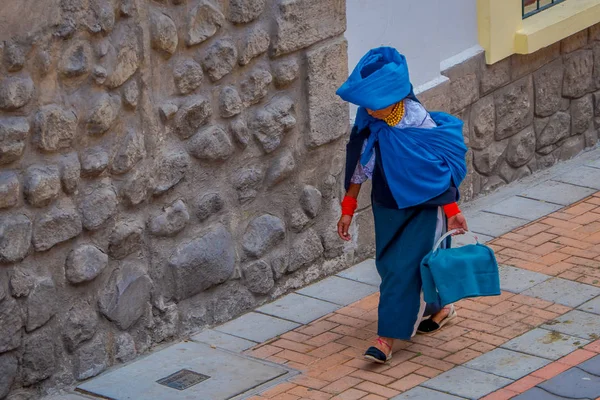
(349, 205)
(451, 210)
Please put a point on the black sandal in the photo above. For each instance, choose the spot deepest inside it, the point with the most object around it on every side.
(375, 355)
(430, 326)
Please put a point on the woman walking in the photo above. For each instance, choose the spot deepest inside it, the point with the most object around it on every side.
(416, 161)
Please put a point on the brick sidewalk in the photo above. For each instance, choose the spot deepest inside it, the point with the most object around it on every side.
(565, 245)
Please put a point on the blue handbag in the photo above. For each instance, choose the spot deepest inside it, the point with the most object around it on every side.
(459, 273)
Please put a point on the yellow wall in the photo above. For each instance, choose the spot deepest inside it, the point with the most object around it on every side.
(503, 31)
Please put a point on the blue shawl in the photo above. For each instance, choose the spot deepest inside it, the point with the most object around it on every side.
(419, 164)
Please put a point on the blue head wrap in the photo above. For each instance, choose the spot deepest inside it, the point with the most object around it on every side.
(379, 80)
(419, 164)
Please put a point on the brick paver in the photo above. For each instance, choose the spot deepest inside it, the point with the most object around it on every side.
(328, 351)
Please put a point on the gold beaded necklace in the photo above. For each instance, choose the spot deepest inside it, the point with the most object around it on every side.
(396, 115)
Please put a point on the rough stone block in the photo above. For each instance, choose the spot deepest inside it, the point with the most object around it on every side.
(523, 64)
(15, 92)
(188, 75)
(548, 82)
(41, 303)
(495, 76)
(244, 11)
(230, 103)
(70, 172)
(80, 324)
(54, 128)
(269, 124)
(13, 132)
(578, 78)
(8, 373)
(574, 42)
(126, 294)
(281, 168)
(285, 72)
(203, 23)
(98, 205)
(163, 33)
(301, 23)
(483, 123)
(103, 114)
(39, 358)
(42, 185)
(436, 98)
(328, 114)
(61, 223)
(9, 189)
(220, 59)
(195, 113)
(128, 59)
(129, 152)
(170, 221)
(256, 42)
(94, 161)
(258, 277)
(464, 82)
(211, 144)
(91, 358)
(11, 322)
(171, 166)
(514, 108)
(262, 234)
(582, 114)
(203, 262)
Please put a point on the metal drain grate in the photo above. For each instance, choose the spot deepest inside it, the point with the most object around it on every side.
(183, 379)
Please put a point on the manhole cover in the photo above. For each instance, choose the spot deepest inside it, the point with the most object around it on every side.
(183, 379)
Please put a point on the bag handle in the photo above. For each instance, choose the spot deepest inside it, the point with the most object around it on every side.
(452, 232)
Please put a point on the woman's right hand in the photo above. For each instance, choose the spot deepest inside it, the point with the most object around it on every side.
(343, 227)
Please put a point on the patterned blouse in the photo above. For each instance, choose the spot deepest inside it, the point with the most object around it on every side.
(415, 116)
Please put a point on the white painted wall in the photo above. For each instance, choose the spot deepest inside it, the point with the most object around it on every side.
(427, 32)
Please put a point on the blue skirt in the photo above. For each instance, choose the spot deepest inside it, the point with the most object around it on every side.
(402, 239)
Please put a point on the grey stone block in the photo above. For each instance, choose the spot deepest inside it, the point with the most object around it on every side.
(577, 323)
(557, 192)
(467, 383)
(230, 375)
(421, 393)
(463, 240)
(493, 224)
(298, 308)
(563, 291)
(338, 290)
(517, 280)
(582, 176)
(537, 394)
(544, 343)
(592, 306)
(591, 366)
(365, 272)
(223, 340)
(594, 164)
(574, 383)
(507, 363)
(257, 327)
(521, 207)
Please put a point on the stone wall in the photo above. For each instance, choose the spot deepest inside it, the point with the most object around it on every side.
(525, 113)
(164, 166)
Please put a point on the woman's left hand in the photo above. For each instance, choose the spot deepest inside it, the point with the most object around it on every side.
(458, 222)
